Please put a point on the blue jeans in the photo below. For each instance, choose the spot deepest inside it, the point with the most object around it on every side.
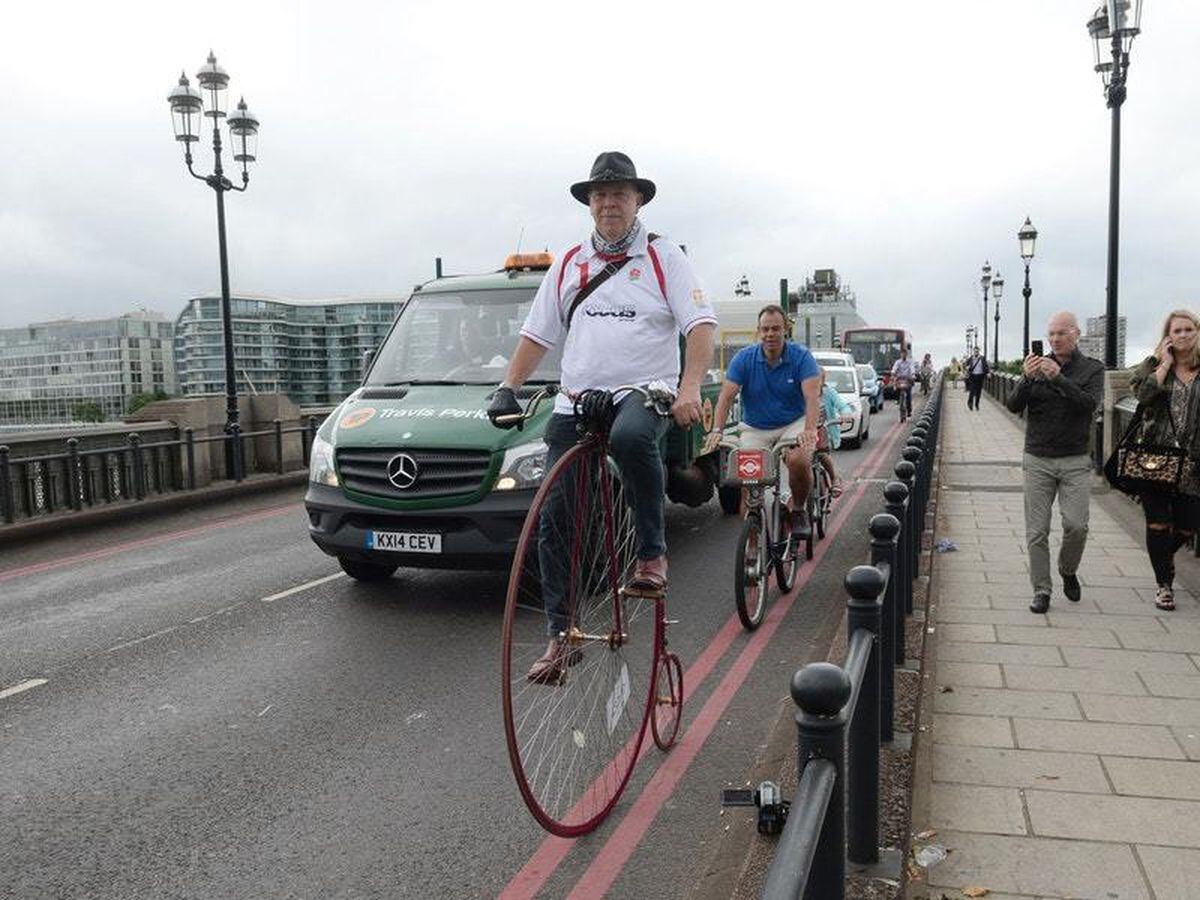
(634, 440)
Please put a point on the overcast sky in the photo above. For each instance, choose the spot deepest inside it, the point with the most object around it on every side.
(900, 143)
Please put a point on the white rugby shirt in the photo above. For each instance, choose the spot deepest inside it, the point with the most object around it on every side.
(627, 330)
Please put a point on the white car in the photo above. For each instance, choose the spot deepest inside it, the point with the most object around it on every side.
(827, 358)
(845, 380)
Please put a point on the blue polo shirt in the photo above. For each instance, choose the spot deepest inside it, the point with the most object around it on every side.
(771, 395)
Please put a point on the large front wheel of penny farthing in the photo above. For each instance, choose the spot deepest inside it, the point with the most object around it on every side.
(575, 726)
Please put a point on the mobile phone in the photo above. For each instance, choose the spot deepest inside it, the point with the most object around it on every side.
(1036, 348)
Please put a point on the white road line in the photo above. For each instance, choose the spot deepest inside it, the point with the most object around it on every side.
(23, 686)
(142, 640)
(302, 587)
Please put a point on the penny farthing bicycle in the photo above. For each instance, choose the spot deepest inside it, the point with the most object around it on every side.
(574, 733)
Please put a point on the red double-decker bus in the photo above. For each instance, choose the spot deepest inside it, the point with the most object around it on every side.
(878, 347)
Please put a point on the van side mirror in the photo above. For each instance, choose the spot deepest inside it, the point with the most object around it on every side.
(367, 356)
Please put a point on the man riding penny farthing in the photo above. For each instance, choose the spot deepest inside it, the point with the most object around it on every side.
(584, 663)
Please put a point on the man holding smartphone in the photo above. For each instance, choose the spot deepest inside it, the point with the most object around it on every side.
(1059, 394)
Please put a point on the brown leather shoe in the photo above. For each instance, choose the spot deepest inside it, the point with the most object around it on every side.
(649, 575)
(550, 667)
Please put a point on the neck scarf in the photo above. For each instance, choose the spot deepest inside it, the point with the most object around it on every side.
(620, 245)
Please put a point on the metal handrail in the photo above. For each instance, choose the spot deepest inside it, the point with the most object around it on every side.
(798, 844)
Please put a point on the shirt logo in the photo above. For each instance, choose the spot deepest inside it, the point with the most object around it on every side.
(698, 298)
(635, 274)
(607, 311)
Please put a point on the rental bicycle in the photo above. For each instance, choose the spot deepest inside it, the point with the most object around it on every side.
(765, 544)
(820, 502)
(573, 737)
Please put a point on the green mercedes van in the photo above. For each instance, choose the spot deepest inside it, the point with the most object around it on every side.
(408, 471)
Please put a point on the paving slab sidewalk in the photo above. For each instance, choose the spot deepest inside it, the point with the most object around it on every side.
(1059, 754)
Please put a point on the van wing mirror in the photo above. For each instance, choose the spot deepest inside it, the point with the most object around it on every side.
(367, 357)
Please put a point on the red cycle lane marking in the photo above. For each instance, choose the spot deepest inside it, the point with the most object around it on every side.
(91, 555)
(551, 852)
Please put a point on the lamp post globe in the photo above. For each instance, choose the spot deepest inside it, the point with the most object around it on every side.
(1112, 27)
(188, 106)
(1027, 237)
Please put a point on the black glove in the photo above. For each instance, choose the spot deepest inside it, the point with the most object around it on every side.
(504, 403)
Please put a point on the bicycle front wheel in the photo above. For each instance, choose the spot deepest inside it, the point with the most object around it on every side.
(750, 573)
(575, 712)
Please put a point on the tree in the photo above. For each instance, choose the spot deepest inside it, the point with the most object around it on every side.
(137, 401)
(87, 412)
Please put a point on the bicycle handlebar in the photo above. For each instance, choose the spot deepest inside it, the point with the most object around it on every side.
(658, 400)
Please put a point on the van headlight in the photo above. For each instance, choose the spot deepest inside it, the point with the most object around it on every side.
(524, 466)
(320, 463)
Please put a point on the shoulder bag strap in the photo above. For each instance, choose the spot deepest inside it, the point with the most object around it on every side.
(606, 273)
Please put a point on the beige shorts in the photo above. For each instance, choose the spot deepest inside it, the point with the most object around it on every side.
(770, 438)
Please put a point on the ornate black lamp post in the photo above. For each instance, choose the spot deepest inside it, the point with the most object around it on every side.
(1113, 27)
(997, 290)
(1027, 236)
(188, 109)
(985, 281)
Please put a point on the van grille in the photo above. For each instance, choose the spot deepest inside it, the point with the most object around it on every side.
(439, 473)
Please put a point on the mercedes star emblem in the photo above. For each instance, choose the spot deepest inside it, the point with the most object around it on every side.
(402, 471)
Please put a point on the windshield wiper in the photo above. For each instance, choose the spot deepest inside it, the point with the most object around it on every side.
(418, 382)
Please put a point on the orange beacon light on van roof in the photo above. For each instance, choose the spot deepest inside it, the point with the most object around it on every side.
(528, 261)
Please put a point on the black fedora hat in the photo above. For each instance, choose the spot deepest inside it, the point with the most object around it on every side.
(613, 165)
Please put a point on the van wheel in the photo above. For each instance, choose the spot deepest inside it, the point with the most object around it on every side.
(365, 571)
(731, 499)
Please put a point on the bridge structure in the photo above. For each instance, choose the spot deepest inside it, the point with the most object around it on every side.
(195, 702)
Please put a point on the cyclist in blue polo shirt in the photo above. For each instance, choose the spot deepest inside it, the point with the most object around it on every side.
(780, 384)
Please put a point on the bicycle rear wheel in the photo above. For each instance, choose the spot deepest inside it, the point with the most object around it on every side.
(750, 573)
(668, 701)
(787, 560)
(573, 739)
(823, 502)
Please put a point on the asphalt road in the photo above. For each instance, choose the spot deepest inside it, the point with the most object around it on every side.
(200, 705)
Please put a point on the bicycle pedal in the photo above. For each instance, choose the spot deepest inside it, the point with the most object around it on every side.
(643, 593)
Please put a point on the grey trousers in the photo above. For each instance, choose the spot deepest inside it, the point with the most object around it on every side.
(1070, 479)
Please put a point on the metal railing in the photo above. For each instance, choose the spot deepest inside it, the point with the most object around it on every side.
(38, 485)
(847, 712)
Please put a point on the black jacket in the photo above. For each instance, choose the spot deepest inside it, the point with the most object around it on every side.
(1155, 403)
(1059, 411)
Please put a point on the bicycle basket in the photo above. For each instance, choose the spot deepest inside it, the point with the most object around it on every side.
(747, 466)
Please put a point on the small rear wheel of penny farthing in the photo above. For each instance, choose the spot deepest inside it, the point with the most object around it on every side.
(668, 701)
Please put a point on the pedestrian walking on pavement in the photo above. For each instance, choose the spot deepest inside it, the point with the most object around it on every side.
(1170, 408)
(977, 370)
(1059, 393)
(955, 372)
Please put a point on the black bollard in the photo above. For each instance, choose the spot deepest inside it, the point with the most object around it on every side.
(884, 530)
(864, 584)
(821, 691)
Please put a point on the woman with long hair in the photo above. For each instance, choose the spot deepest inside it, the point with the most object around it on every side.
(1169, 400)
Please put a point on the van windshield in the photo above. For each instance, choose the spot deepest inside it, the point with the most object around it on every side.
(465, 338)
